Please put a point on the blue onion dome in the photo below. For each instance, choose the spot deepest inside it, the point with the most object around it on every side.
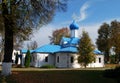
(74, 25)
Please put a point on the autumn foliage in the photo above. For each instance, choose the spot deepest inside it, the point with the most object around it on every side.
(58, 34)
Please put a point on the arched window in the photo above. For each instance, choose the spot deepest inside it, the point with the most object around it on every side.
(57, 59)
(99, 60)
(46, 59)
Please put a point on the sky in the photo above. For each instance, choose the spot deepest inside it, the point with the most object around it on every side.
(89, 15)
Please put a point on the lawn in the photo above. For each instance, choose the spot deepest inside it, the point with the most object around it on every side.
(57, 76)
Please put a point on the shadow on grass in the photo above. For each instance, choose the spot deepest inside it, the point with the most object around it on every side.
(59, 76)
(113, 73)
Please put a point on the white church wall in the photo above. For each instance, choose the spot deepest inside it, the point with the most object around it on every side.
(61, 60)
(23, 59)
(65, 60)
(99, 62)
(43, 59)
(38, 60)
(51, 59)
(75, 63)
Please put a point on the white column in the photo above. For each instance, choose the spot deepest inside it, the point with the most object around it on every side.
(74, 33)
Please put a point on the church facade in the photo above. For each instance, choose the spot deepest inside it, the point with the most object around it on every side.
(64, 55)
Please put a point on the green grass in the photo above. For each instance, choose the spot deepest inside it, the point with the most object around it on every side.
(48, 66)
(58, 76)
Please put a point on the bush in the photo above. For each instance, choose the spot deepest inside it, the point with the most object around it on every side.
(27, 59)
(48, 66)
(112, 59)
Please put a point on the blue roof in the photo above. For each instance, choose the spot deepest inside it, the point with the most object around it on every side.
(69, 49)
(74, 25)
(97, 52)
(66, 39)
(56, 49)
(68, 46)
(47, 49)
(74, 40)
(25, 51)
(69, 41)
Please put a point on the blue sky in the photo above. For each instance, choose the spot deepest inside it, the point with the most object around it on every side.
(89, 14)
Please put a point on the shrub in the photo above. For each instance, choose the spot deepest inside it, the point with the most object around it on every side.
(27, 59)
(112, 59)
(48, 66)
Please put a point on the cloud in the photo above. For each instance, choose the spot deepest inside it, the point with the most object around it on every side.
(41, 35)
(83, 14)
(92, 28)
(92, 31)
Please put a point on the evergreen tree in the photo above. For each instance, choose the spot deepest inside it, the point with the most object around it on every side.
(27, 59)
(85, 50)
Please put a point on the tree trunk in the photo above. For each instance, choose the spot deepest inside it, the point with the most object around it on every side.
(6, 66)
(8, 46)
(107, 57)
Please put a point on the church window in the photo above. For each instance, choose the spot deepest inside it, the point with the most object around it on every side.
(71, 59)
(46, 59)
(57, 59)
(99, 60)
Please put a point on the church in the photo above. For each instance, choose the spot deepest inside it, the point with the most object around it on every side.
(64, 55)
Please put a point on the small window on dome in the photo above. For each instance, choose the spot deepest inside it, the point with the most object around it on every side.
(65, 42)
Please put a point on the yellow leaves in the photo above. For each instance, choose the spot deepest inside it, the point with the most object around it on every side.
(5, 1)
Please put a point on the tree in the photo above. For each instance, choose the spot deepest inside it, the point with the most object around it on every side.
(27, 59)
(103, 40)
(24, 15)
(2, 49)
(1, 39)
(33, 45)
(115, 39)
(85, 50)
(109, 36)
(58, 34)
